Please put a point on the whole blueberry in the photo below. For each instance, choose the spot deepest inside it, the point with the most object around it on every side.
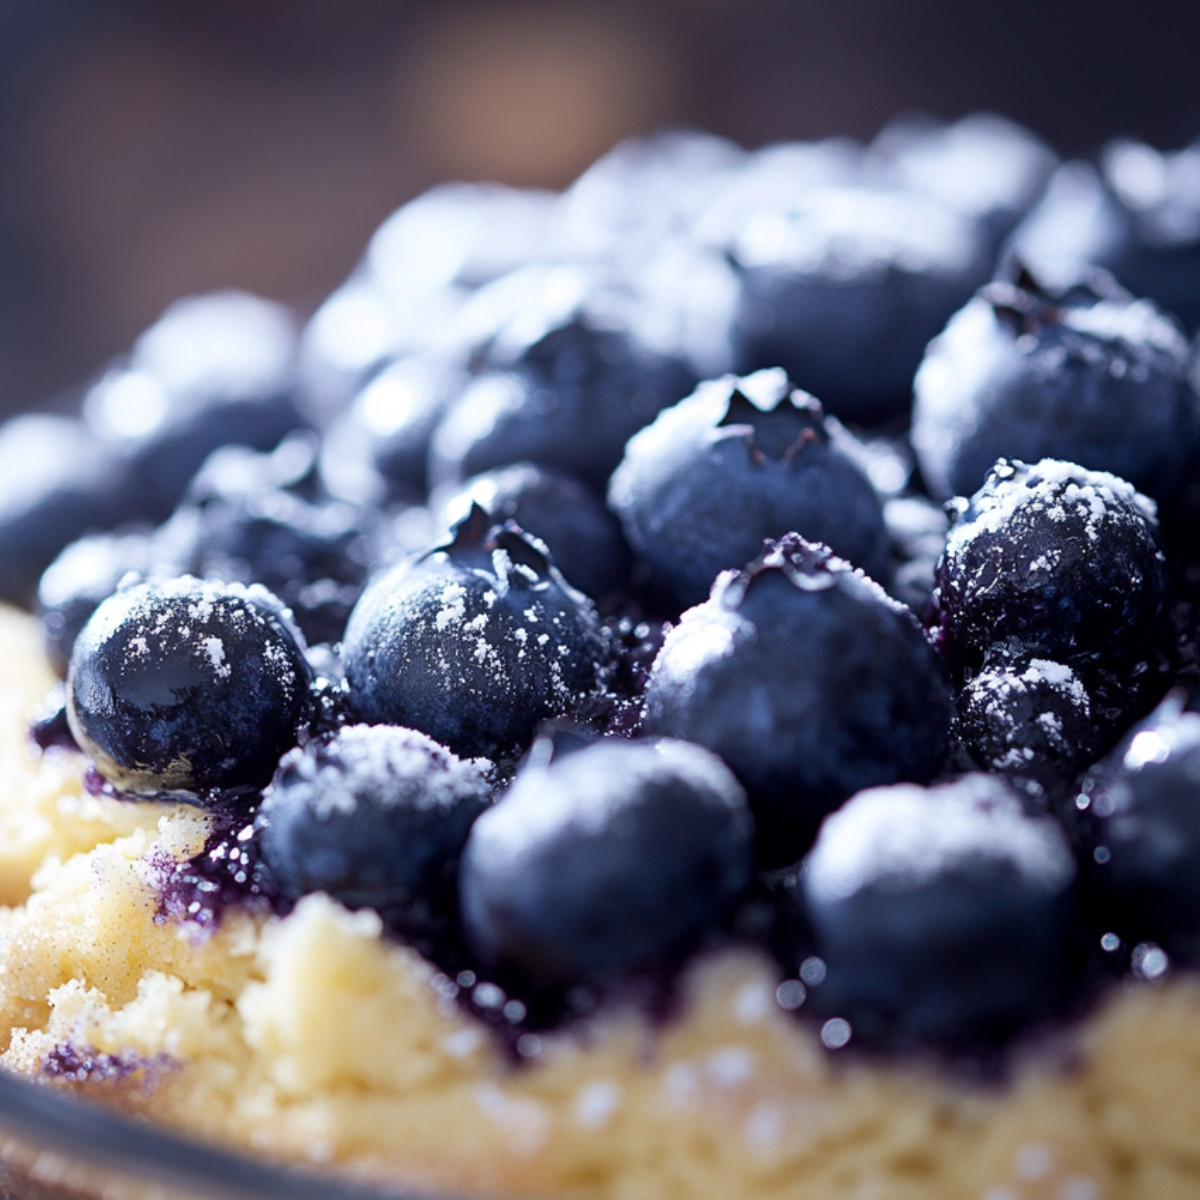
(1141, 814)
(582, 535)
(844, 285)
(943, 915)
(57, 483)
(609, 858)
(1134, 213)
(1029, 719)
(213, 370)
(737, 462)
(185, 686)
(809, 681)
(1083, 373)
(1066, 562)
(375, 816)
(474, 642)
(565, 369)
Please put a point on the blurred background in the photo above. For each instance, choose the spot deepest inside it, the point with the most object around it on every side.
(153, 148)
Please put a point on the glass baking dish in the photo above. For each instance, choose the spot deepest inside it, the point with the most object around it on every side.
(56, 1147)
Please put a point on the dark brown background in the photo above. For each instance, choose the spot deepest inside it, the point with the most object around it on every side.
(150, 148)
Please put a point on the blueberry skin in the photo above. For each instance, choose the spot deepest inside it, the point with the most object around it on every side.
(474, 642)
(214, 370)
(616, 856)
(582, 535)
(1141, 817)
(563, 374)
(809, 681)
(375, 816)
(86, 573)
(57, 483)
(739, 461)
(1134, 214)
(1064, 561)
(184, 686)
(1031, 719)
(844, 286)
(1083, 373)
(944, 915)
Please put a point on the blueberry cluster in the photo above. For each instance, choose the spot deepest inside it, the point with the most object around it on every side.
(792, 546)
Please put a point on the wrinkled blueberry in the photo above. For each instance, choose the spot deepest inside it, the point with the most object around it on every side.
(1029, 719)
(809, 681)
(184, 686)
(375, 816)
(943, 916)
(474, 642)
(1066, 563)
(1084, 373)
(737, 462)
(614, 856)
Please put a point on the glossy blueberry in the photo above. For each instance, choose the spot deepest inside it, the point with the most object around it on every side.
(474, 642)
(739, 461)
(583, 537)
(214, 370)
(566, 370)
(57, 483)
(184, 686)
(1141, 814)
(844, 286)
(375, 816)
(612, 857)
(1029, 719)
(809, 681)
(1084, 373)
(1063, 561)
(943, 915)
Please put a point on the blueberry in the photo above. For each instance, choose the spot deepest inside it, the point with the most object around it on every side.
(376, 451)
(87, 572)
(375, 816)
(613, 857)
(184, 686)
(809, 681)
(844, 286)
(1084, 373)
(1029, 719)
(582, 535)
(738, 461)
(984, 166)
(944, 916)
(1135, 214)
(474, 642)
(565, 371)
(214, 370)
(57, 483)
(1141, 815)
(1065, 562)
